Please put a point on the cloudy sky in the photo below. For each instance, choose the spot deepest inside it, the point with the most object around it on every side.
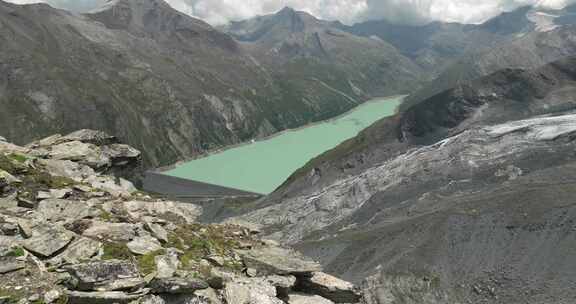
(348, 11)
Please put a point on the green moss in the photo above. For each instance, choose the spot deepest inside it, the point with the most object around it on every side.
(16, 252)
(13, 295)
(38, 180)
(11, 166)
(198, 241)
(106, 216)
(20, 158)
(116, 251)
(147, 262)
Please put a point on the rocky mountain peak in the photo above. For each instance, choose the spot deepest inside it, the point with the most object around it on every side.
(151, 16)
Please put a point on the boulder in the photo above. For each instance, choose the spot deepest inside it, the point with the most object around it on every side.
(87, 136)
(83, 153)
(7, 179)
(177, 285)
(122, 155)
(47, 240)
(105, 275)
(329, 287)
(52, 296)
(157, 231)
(167, 265)
(143, 245)
(117, 232)
(277, 260)
(307, 299)
(107, 297)
(210, 295)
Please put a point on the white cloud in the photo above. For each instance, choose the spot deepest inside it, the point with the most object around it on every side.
(348, 11)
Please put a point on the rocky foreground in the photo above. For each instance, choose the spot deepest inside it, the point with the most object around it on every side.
(74, 230)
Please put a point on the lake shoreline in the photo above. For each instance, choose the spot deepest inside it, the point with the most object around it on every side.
(280, 133)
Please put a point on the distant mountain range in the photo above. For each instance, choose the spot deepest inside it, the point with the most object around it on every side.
(174, 86)
(159, 78)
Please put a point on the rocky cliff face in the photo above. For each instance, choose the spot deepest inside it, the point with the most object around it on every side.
(169, 84)
(71, 233)
(454, 201)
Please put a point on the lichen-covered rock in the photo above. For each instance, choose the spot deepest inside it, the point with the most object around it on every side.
(167, 265)
(64, 211)
(102, 297)
(329, 287)
(47, 240)
(177, 285)
(175, 211)
(81, 250)
(277, 260)
(121, 232)
(105, 275)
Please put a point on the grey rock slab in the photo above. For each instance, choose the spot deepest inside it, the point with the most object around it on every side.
(307, 299)
(209, 294)
(67, 168)
(105, 275)
(276, 260)
(329, 287)
(120, 232)
(187, 213)
(8, 202)
(80, 250)
(177, 285)
(107, 297)
(143, 245)
(10, 265)
(66, 211)
(48, 240)
(54, 194)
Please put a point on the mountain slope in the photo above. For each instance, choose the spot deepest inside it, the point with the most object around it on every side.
(290, 40)
(156, 78)
(440, 204)
(529, 51)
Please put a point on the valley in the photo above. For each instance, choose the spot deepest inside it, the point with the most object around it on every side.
(262, 166)
(292, 181)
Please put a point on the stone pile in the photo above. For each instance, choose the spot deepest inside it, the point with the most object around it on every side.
(71, 233)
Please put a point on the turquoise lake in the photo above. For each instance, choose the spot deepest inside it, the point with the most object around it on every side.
(264, 165)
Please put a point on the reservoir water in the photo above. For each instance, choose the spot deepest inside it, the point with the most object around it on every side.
(264, 165)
